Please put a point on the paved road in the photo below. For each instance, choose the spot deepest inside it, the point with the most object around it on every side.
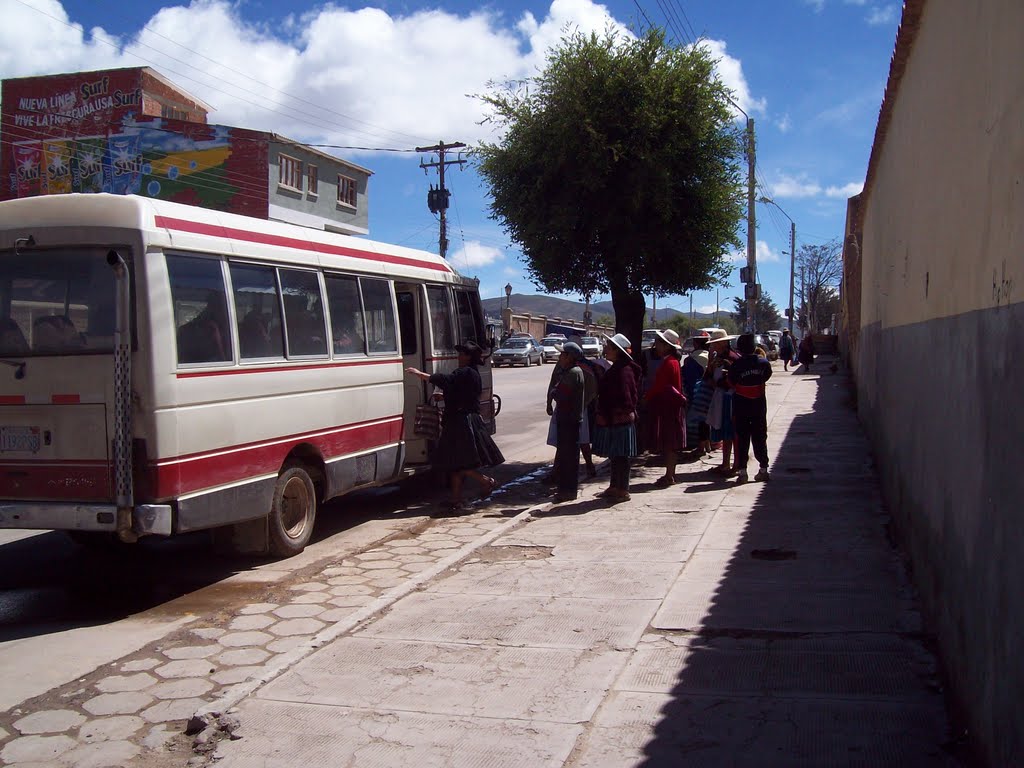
(65, 611)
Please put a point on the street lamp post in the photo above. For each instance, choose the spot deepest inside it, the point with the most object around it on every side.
(792, 255)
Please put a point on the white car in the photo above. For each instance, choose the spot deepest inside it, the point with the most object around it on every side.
(551, 345)
(591, 346)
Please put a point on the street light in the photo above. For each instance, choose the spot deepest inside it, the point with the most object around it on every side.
(508, 294)
(792, 255)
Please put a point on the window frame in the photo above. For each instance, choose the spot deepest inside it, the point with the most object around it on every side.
(344, 202)
(312, 180)
(334, 274)
(294, 173)
(434, 349)
(390, 284)
(229, 299)
(288, 354)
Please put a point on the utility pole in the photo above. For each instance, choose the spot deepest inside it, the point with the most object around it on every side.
(691, 309)
(751, 287)
(437, 199)
(792, 260)
(654, 310)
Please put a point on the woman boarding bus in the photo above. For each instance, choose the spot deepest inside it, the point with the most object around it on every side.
(167, 368)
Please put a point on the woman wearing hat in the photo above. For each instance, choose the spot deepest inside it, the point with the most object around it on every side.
(615, 431)
(464, 445)
(698, 398)
(665, 400)
(720, 412)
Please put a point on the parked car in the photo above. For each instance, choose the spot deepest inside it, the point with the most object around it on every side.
(518, 350)
(591, 346)
(551, 346)
(647, 338)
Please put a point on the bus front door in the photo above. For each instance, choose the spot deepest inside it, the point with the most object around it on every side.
(410, 299)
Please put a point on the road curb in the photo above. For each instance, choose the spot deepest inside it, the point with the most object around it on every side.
(240, 691)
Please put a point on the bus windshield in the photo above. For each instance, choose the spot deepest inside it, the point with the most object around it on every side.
(56, 302)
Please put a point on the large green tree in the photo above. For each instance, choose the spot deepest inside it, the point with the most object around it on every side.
(618, 170)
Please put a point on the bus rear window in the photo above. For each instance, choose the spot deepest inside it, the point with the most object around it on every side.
(58, 302)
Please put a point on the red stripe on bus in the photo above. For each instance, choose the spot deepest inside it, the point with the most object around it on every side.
(277, 368)
(65, 399)
(216, 230)
(12, 399)
(173, 477)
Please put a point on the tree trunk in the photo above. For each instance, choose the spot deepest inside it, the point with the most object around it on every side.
(630, 307)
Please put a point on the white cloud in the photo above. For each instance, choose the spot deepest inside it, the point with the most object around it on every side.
(323, 74)
(817, 5)
(765, 254)
(784, 123)
(788, 186)
(730, 72)
(847, 190)
(883, 15)
(707, 309)
(475, 254)
(511, 272)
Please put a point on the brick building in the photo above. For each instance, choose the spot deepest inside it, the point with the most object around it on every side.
(132, 131)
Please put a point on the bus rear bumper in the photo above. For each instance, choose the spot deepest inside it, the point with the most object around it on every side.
(147, 519)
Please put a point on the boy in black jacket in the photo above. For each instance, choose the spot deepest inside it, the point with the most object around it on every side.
(748, 375)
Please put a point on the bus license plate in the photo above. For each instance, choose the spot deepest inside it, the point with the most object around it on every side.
(20, 439)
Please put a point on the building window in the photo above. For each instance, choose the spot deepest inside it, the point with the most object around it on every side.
(311, 181)
(173, 114)
(346, 191)
(291, 172)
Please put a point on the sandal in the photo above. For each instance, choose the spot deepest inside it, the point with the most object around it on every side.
(665, 481)
(488, 489)
(723, 471)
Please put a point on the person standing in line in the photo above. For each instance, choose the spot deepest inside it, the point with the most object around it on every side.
(748, 376)
(592, 373)
(566, 402)
(617, 396)
(665, 402)
(464, 445)
(720, 412)
(786, 349)
(649, 362)
(692, 371)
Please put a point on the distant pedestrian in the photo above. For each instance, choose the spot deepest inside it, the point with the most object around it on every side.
(786, 349)
(565, 405)
(464, 445)
(665, 403)
(617, 398)
(806, 352)
(748, 376)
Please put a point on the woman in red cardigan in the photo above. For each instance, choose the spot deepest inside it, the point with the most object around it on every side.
(665, 401)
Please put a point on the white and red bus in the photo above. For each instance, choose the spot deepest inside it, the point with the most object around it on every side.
(166, 368)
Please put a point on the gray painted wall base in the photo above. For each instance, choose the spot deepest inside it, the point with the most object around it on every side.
(941, 402)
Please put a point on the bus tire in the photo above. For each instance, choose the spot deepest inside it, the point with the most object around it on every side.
(292, 512)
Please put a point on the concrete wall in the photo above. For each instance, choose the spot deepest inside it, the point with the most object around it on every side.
(941, 349)
(320, 210)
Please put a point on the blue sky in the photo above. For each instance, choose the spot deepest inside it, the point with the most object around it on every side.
(398, 75)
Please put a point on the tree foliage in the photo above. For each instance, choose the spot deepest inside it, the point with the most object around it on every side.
(766, 314)
(618, 171)
(821, 271)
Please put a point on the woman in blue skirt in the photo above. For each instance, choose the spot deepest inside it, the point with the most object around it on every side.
(615, 424)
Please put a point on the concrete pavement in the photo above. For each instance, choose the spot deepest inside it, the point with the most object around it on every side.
(703, 624)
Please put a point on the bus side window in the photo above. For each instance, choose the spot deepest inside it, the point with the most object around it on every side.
(257, 311)
(407, 322)
(200, 310)
(346, 315)
(303, 313)
(379, 312)
(468, 328)
(440, 318)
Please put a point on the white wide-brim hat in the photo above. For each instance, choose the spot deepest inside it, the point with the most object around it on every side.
(720, 335)
(670, 337)
(621, 342)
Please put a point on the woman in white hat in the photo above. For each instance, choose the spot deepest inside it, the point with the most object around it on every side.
(720, 412)
(615, 430)
(665, 400)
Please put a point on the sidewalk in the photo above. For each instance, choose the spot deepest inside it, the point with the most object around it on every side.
(706, 624)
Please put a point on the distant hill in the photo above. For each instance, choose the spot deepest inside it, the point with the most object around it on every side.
(552, 306)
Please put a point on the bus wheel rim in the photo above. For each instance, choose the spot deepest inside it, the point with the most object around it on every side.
(295, 503)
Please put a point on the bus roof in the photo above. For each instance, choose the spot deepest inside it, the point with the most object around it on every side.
(188, 227)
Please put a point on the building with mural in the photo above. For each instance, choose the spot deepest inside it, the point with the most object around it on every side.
(132, 131)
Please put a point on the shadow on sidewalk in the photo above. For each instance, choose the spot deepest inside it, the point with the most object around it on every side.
(791, 636)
